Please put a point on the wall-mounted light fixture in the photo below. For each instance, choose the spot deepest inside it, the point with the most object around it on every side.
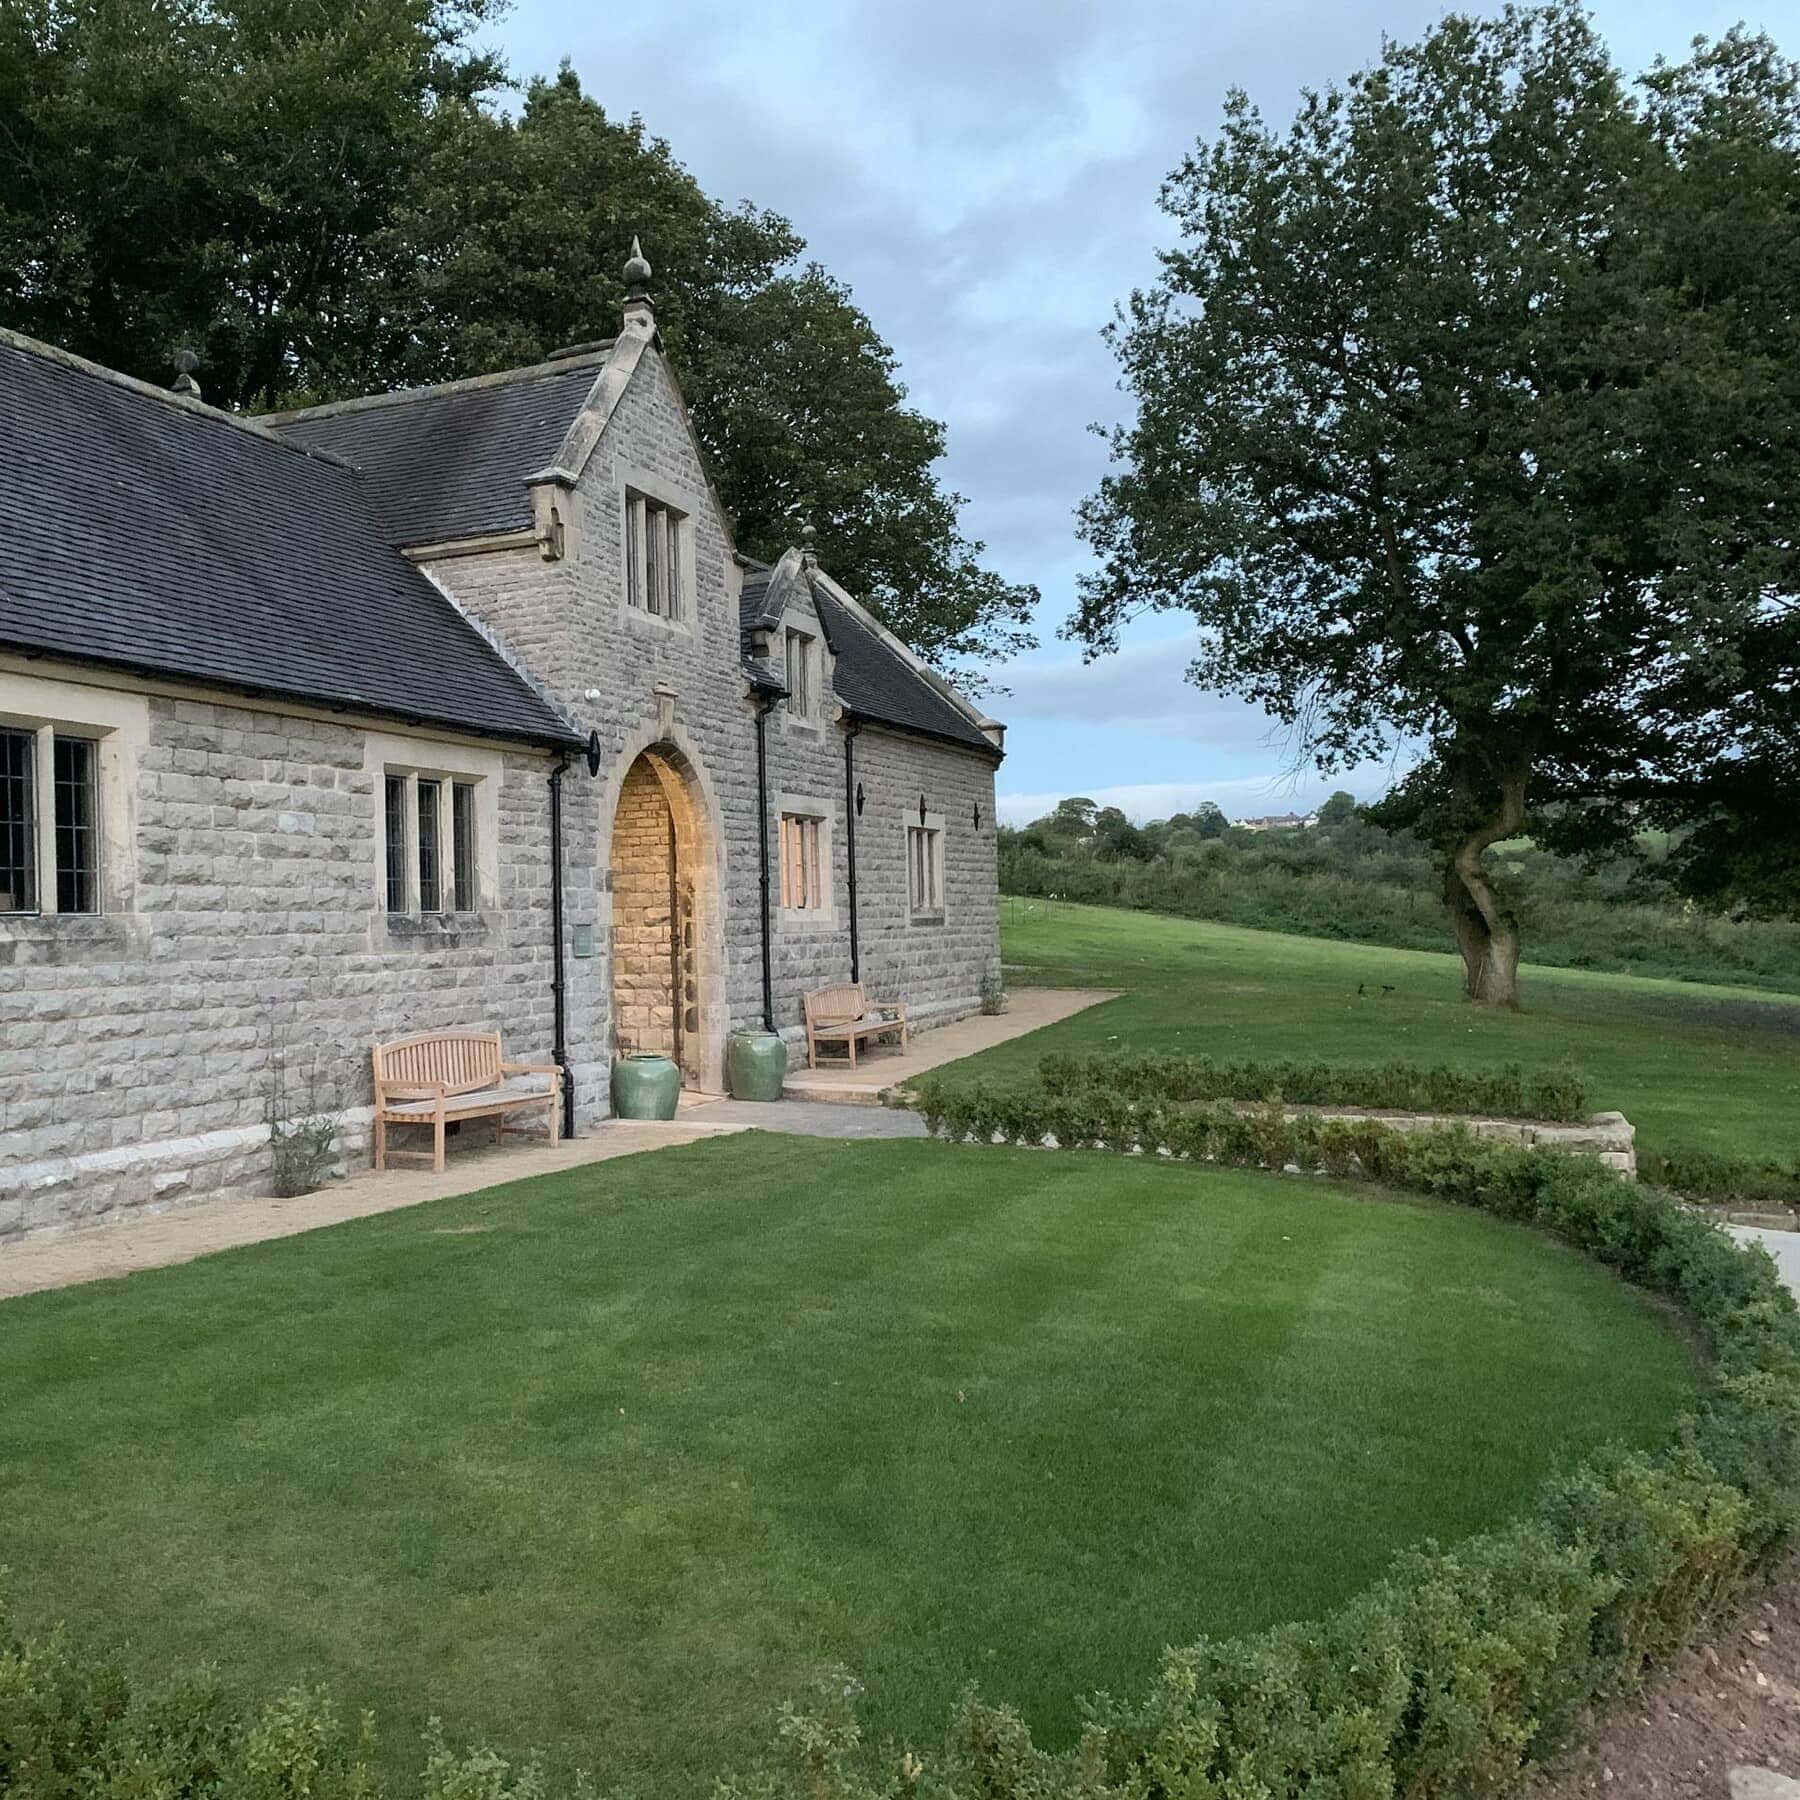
(594, 757)
(859, 799)
(921, 809)
(977, 816)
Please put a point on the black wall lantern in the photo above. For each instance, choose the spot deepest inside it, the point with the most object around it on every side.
(977, 818)
(859, 799)
(593, 753)
(921, 809)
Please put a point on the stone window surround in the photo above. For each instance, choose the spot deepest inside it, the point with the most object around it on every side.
(635, 483)
(118, 724)
(810, 724)
(934, 823)
(385, 754)
(783, 806)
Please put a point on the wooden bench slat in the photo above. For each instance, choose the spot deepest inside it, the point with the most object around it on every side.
(842, 1014)
(436, 1076)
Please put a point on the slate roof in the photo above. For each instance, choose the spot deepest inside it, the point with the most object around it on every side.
(869, 675)
(142, 532)
(451, 462)
(876, 682)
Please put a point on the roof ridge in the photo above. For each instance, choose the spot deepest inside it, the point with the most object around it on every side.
(462, 385)
(252, 423)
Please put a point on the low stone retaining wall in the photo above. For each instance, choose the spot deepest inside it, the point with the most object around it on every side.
(1610, 1136)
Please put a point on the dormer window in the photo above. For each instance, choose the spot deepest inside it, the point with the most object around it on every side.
(654, 556)
(802, 674)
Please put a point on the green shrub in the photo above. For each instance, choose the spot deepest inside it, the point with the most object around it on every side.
(74, 1727)
(1731, 1180)
(1554, 1094)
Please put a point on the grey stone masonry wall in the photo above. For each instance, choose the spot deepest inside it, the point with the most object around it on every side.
(936, 963)
(678, 688)
(134, 1046)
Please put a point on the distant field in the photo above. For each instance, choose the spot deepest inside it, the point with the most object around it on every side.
(1697, 1067)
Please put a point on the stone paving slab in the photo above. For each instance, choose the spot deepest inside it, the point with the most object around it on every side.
(883, 1067)
(185, 1232)
(1784, 1246)
(811, 1118)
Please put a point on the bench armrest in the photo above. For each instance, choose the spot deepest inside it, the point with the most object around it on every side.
(513, 1068)
(410, 1090)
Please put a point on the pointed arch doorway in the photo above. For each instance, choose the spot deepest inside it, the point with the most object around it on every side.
(665, 919)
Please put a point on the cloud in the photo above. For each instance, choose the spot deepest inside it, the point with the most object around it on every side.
(985, 178)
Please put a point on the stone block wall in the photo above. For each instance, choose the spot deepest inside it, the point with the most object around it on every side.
(135, 1046)
(936, 964)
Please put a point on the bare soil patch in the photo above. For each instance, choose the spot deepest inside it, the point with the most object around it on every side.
(1717, 1708)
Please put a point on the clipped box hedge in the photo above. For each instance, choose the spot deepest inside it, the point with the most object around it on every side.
(1447, 1678)
(1556, 1095)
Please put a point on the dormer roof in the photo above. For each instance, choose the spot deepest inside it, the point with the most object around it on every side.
(874, 676)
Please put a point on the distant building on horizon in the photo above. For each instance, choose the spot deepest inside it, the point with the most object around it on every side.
(1279, 822)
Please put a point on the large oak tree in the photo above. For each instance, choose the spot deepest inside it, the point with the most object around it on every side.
(1468, 423)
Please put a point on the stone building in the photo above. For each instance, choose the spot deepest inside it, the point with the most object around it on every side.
(450, 707)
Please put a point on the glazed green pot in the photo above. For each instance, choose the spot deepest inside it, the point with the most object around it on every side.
(645, 1087)
(756, 1065)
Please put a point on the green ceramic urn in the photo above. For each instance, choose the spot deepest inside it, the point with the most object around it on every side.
(645, 1087)
(756, 1065)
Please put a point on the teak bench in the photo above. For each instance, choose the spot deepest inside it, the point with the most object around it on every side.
(436, 1076)
(843, 1015)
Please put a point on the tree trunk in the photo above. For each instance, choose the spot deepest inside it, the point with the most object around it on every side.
(1490, 948)
(1487, 932)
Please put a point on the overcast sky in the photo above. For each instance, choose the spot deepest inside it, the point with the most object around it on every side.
(984, 176)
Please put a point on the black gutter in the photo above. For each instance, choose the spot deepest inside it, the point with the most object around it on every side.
(850, 732)
(559, 1049)
(765, 707)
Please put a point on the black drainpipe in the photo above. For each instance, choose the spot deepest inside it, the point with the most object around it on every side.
(850, 732)
(762, 813)
(559, 1050)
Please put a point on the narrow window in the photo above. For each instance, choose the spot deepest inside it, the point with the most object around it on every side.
(656, 552)
(431, 898)
(396, 843)
(18, 823)
(924, 868)
(77, 827)
(653, 545)
(802, 872)
(462, 831)
(799, 674)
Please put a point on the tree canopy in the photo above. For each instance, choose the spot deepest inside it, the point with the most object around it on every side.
(326, 200)
(1468, 416)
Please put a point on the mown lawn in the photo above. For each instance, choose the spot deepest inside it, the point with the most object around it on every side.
(612, 1462)
(1691, 1066)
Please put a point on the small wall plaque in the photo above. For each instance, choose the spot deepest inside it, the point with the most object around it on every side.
(584, 940)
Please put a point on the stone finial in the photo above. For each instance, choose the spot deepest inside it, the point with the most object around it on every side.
(186, 362)
(808, 555)
(637, 274)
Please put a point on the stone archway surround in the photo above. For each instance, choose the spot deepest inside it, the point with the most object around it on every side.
(698, 926)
